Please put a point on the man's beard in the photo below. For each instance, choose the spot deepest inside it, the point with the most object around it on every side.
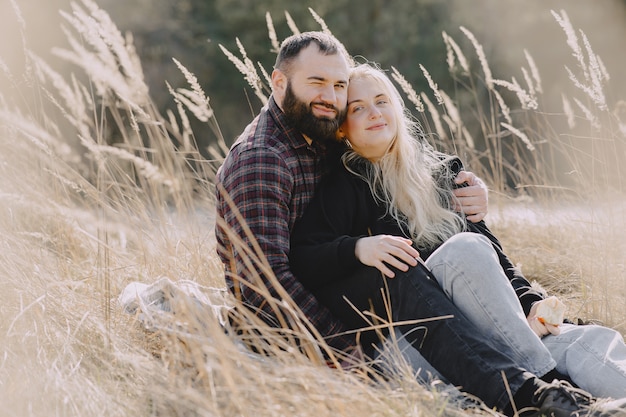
(300, 115)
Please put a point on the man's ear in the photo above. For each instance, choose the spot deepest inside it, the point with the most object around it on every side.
(279, 85)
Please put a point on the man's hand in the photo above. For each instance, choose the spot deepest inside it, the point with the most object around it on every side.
(473, 197)
(380, 250)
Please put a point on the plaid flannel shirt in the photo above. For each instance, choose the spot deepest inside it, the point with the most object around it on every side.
(270, 174)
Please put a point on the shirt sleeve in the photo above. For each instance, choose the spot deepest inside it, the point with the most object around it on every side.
(260, 184)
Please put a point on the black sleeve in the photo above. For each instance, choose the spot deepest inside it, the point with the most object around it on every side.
(526, 294)
(324, 239)
(446, 170)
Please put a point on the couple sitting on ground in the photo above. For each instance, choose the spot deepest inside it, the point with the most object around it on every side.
(392, 219)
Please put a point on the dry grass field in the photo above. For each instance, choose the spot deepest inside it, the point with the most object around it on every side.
(574, 250)
(94, 195)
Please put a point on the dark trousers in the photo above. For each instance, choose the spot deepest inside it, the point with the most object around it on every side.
(454, 346)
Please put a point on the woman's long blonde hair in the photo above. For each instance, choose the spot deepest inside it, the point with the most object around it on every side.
(403, 179)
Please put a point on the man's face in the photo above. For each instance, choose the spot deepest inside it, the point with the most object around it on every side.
(314, 93)
(302, 117)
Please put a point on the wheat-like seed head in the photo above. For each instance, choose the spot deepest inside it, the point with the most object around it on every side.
(453, 50)
(320, 21)
(519, 134)
(589, 115)
(436, 118)
(534, 72)
(247, 68)
(572, 39)
(292, 24)
(596, 75)
(526, 100)
(272, 33)
(480, 52)
(504, 108)
(408, 89)
(432, 85)
(569, 112)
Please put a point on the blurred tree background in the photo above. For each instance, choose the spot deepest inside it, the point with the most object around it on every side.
(403, 34)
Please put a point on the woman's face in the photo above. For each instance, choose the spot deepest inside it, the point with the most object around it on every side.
(370, 125)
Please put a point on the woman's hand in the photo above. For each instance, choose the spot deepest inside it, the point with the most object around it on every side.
(382, 250)
(473, 198)
(539, 325)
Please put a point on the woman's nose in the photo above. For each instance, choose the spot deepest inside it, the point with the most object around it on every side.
(374, 112)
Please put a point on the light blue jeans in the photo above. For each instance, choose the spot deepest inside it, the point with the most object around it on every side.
(468, 270)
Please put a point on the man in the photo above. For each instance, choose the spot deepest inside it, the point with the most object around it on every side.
(269, 177)
(272, 171)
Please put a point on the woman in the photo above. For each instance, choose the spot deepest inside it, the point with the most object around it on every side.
(390, 206)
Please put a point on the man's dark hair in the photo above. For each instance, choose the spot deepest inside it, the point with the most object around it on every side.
(293, 45)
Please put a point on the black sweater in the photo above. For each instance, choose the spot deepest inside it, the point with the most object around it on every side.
(343, 210)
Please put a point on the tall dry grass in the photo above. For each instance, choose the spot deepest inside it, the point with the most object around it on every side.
(98, 190)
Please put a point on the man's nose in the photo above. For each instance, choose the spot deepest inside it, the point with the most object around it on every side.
(328, 94)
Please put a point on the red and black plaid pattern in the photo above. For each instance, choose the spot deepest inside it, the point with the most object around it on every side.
(271, 173)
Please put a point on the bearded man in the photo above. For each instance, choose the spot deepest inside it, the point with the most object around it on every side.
(272, 171)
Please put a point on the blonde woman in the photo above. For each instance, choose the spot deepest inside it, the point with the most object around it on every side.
(385, 225)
